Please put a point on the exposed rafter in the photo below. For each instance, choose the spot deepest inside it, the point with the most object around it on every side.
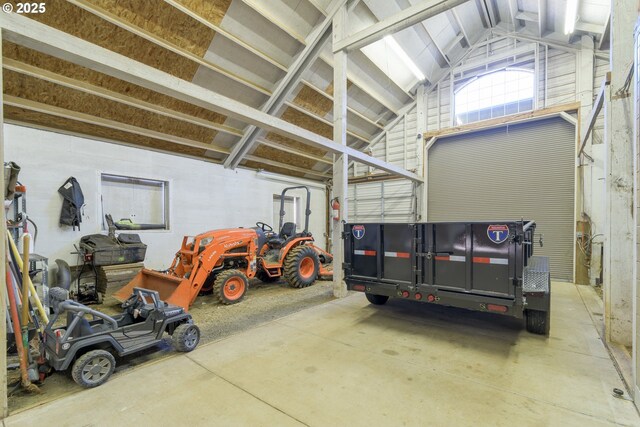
(29, 33)
(461, 26)
(323, 120)
(110, 17)
(309, 54)
(106, 123)
(440, 50)
(542, 17)
(404, 19)
(30, 70)
(229, 36)
(513, 12)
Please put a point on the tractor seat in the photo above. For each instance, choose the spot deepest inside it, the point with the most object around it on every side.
(287, 232)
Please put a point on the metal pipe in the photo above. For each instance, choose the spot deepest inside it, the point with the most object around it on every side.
(528, 225)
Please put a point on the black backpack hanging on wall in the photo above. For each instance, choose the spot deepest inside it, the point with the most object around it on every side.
(72, 203)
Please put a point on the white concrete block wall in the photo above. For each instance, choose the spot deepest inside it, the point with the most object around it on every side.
(204, 195)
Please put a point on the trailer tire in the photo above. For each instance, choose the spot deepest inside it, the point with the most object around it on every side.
(301, 266)
(230, 286)
(186, 337)
(537, 321)
(264, 277)
(93, 368)
(377, 299)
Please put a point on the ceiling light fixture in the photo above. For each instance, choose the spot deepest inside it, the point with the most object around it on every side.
(390, 41)
(571, 16)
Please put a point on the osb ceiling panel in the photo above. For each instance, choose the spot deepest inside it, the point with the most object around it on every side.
(212, 10)
(314, 101)
(36, 118)
(162, 20)
(68, 69)
(33, 89)
(80, 23)
(304, 121)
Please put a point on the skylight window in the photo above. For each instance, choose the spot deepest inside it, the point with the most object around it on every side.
(494, 95)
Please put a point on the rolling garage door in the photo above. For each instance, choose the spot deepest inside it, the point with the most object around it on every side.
(518, 171)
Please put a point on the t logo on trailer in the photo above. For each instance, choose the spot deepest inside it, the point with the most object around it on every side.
(358, 231)
(498, 233)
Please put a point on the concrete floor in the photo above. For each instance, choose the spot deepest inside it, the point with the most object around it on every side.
(348, 363)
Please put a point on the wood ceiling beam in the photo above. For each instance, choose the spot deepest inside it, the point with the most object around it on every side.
(403, 19)
(39, 107)
(462, 29)
(291, 150)
(111, 124)
(323, 120)
(226, 34)
(266, 13)
(115, 20)
(314, 45)
(252, 158)
(35, 35)
(351, 110)
(39, 73)
(542, 17)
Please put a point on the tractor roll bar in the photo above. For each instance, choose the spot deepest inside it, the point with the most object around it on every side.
(307, 212)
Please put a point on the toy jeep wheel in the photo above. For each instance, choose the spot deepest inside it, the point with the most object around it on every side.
(93, 368)
(537, 321)
(376, 299)
(186, 337)
(301, 267)
(230, 286)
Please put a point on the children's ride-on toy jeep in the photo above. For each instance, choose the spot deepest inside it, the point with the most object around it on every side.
(90, 344)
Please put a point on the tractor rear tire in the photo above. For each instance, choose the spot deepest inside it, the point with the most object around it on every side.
(301, 266)
(230, 286)
(186, 337)
(377, 299)
(264, 277)
(537, 321)
(93, 368)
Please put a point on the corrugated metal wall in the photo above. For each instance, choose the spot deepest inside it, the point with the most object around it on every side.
(393, 200)
(517, 171)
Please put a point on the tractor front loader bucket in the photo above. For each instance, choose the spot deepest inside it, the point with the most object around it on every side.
(172, 290)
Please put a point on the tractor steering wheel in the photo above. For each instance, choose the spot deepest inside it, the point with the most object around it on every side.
(263, 226)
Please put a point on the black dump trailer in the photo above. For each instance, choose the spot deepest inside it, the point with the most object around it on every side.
(482, 266)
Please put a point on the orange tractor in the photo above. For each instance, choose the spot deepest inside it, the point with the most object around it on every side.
(223, 261)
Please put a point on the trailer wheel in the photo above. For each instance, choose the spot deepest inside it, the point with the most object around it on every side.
(377, 299)
(93, 368)
(264, 277)
(537, 321)
(230, 286)
(186, 337)
(301, 266)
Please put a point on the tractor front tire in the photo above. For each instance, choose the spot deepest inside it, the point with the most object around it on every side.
(264, 277)
(230, 286)
(301, 266)
(186, 337)
(93, 368)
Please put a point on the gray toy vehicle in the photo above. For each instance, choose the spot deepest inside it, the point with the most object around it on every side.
(88, 346)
